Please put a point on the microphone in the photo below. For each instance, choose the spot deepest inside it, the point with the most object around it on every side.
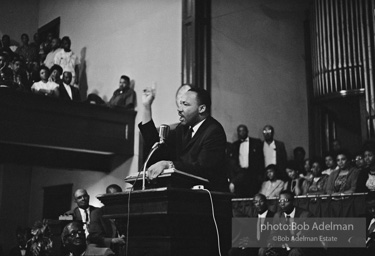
(163, 133)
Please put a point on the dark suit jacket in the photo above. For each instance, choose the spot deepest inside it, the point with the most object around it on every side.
(203, 155)
(281, 158)
(64, 94)
(99, 228)
(279, 217)
(256, 158)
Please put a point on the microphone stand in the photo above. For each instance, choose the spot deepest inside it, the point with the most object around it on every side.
(153, 149)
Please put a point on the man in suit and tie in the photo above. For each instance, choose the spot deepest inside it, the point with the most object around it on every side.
(93, 223)
(274, 152)
(288, 213)
(247, 154)
(67, 91)
(262, 213)
(74, 242)
(196, 146)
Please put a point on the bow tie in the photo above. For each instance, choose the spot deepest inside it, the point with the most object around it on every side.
(243, 140)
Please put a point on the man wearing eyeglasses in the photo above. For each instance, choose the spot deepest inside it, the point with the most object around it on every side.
(288, 213)
(74, 241)
(274, 151)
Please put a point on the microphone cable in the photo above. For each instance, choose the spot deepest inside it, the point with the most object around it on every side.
(213, 216)
(128, 217)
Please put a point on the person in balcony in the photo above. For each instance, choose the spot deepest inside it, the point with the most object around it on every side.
(317, 185)
(330, 163)
(294, 183)
(366, 177)
(273, 186)
(344, 179)
(45, 87)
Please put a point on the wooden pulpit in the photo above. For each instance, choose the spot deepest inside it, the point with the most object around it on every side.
(171, 221)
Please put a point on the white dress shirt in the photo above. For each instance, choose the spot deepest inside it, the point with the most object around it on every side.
(269, 151)
(244, 153)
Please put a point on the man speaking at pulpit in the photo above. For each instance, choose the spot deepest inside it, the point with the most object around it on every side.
(196, 146)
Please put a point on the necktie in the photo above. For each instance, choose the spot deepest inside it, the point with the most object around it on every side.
(86, 217)
(258, 228)
(189, 135)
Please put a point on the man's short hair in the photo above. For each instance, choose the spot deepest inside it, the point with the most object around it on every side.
(126, 78)
(264, 198)
(203, 97)
(299, 149)
(66, 38)
(242, 125)
(113, 186)
(270, 127)
(287, 192)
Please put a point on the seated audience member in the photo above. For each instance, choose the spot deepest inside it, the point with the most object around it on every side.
(124, 96)
(370, 223)
(299, 155)
(317, 184)
(74, 241)
(273, 186)
(55, 48)
(19, 75)
(330, 163)
(359, 161)
(55, 74)
(68, 92)
(366, 176)
(5, 72)
(288, 212)
(93, 223)
(307, 169)
(344, 179)
(22, 236)
(294, 182)
(103, 232)
(6, 48)
(261, 213)
(44, 87)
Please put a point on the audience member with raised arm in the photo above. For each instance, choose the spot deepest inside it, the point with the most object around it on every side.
(272, 186)
(196, 146)
(316, 185)
(344, 179)
(45, 87)
(294, 181)
(274, 151)
(247, 155)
